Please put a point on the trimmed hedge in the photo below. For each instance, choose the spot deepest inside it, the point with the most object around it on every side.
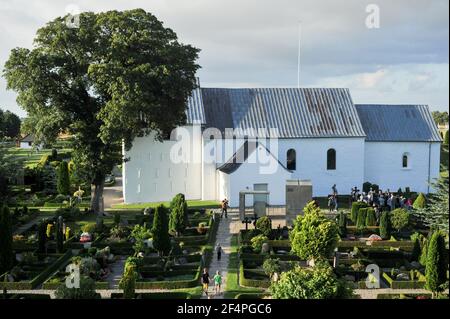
(247, 282)
(405, 245)
(356, 206)
(405, 284)
(39, 279)
(175, 284)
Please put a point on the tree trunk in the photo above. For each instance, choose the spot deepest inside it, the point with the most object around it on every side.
(99, 185)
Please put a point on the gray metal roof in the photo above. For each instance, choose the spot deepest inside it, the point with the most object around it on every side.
(28, 138)
(195, 112)
(242, 155)
(304, 112)
(400, 123)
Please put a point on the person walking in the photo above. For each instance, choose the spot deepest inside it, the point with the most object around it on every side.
(219, 251)
(224, 206)
(217, 282)
(334, 189)
(205, 281)
(330, 203)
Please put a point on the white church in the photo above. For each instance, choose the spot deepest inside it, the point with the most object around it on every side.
(259, 138)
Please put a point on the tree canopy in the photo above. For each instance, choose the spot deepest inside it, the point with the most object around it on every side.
(435, 213)
(9, 124)
(440, 117)
(117, 76)
(313, 236)
(10, 168)
(310, 283)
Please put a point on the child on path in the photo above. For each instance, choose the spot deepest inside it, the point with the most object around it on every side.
(217, 282)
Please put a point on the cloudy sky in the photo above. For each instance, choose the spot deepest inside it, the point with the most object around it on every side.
(254, 43)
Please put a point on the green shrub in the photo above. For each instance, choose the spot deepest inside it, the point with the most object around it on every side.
(446, 138)
(417, 251)
(371, 218)
(264, 224)
(356, 206)
(89, 228)
(86, 290)
(385, 225)
(128, 280)
(361, 220)
(314, 236)
(317, 283)
(420, 201)
(342, 224)
(117, 218)
(400, 218)
(258, 241)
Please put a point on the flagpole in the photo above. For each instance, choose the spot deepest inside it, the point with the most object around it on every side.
(298, 58)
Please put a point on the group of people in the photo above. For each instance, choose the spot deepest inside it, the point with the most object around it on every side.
(378, 199)
(206, 279)
(381, 200)
(217, 279)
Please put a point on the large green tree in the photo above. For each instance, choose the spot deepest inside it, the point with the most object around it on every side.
(313, 236)
(9, 124)
(6, 248)
(160, 230)
(116, 76)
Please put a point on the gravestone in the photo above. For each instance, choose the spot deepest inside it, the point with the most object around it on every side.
(298, 194)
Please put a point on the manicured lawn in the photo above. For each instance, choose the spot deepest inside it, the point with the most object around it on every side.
(232, 287)
(32, 157)
(193, 204)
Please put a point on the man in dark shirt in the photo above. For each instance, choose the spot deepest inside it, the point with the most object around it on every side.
(205, 281)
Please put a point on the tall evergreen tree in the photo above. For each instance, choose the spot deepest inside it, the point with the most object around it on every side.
(63, 183)
(160, 231)
(385, 225)
(59, 235)
(6, 248)
(128, 280)
(178, 219)
(42, 237)
(342, 223)
(436, 267)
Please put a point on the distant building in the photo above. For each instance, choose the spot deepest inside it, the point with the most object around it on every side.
(27, 142)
